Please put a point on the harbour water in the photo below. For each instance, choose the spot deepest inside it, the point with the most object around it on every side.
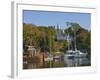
(76, 61)
(61, 61)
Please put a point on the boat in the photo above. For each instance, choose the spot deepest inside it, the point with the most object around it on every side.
(73, 53)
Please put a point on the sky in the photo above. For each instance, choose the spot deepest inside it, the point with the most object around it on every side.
(49, 18)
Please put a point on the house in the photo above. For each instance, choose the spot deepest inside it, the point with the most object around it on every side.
(60, 34)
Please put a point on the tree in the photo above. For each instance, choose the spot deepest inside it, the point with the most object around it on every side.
(82, 35)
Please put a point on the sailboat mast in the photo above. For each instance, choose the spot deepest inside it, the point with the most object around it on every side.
(68, 36)
(75, 39)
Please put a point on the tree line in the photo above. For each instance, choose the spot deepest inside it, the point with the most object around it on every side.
(44, 37)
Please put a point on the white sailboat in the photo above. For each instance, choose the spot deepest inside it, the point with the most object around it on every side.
(71, 55)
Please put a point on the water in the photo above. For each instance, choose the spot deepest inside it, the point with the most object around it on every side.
(76, 61)
(63, 61)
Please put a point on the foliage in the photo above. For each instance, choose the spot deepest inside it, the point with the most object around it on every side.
(44, 37)
(38, 36)
(83, 36)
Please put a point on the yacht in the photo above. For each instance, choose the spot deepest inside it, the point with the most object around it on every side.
(74, 54)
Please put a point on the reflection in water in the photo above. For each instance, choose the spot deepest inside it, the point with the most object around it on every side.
(56, 61)
(76, 61)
